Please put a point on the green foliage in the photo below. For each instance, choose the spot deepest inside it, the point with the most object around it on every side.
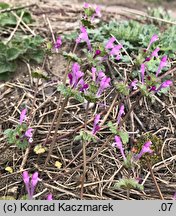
(123, 134)
(8, 19)
(72, 56)
(128, 184)
(16, 136)
(19, 48)
(122, 88)
(69, 92)
(85, 137)
(39, 75)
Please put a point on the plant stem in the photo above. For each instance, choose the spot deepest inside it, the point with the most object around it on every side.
(55, 133)
(154, 180)
(59, 101)
(84, 155)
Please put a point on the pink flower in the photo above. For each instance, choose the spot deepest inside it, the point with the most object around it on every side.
(174, 196)
(84, 37)
(153, 39)
(110, 42)
(86, 5)
(118, 144)
(155, 52)
(75, 75)
(98, 11)
(94, 73)
(30, 184)
(165, 84)
(146, 148)
(97, 76)
(116, 51)
(84, 85)
(133, 84)
(50, 197)
(96, 127)
(58, 43)
(142, 73)
(23, 115)
(28, 133)
(104, 83)
(162, 64)
(121, 112)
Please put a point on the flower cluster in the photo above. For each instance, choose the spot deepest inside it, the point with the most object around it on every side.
(162, 64)
(93, 10)
(113, 49)
(76, 78)
(30, 183)
(83, 37)
(146, 148)
(101, 80)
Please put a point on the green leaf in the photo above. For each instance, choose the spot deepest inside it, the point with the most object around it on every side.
(39, 75)
(71, 56)
(37, 56)
(12, 53)
(4, 5)
(128, 184)
(124, 136)
(78, 96)
(6, 66)
(112, 128)
(8, 132)
(66, 91)
(7, 20)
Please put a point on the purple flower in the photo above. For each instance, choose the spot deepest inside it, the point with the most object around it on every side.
(75, 75)
(97, 53)
(84, 85)
(94, 73)
(23, 115)
(28, 133)
(121, 112)
(104, 83)
(165, 84)
(116, 51)
(162, 64)
(155, 52)
(30, 184)
(58, 43)
(97, 76)
(26, 180)
(84, 37)
(49, 197)
(153, 39)
(142, 72)
(146, 148)
(96, 127)
(110, 42)
(133, 84)
(118, 144)
(98, 11)
(86, 5)
(147, 59)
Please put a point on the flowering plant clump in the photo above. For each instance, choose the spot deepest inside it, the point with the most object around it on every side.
(108, 76)
(22, 134)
